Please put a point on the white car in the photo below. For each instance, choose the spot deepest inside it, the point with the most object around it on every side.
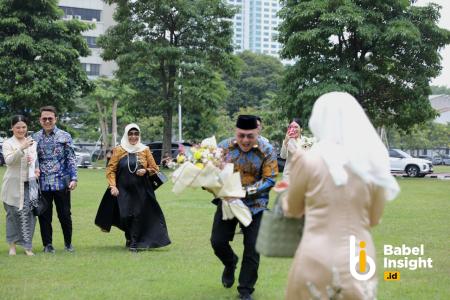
(83, 157)
(402, 162)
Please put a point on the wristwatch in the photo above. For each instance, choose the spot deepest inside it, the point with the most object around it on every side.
(251, 190)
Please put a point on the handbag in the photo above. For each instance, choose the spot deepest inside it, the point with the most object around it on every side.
(279, 236)
(41, 204)
(157, 179)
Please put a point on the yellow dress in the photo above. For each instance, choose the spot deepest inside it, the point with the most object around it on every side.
(332, 214)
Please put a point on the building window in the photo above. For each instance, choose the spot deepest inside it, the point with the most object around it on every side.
(81, 13)
(91, 41)
(91, 69)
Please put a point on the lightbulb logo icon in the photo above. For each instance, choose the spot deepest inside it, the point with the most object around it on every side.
(362, 266)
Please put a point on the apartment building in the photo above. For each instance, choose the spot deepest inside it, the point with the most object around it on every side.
(94, 12)
(255, 26)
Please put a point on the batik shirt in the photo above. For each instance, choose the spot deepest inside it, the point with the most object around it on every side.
(57, 160)
(258, 168)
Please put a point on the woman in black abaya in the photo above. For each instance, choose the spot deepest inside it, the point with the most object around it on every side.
(130, 203)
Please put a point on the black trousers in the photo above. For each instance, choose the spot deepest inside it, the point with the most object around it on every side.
(222, 233)
(62, 203)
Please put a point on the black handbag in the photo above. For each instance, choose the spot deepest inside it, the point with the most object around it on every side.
(157, 179)
(41, 204)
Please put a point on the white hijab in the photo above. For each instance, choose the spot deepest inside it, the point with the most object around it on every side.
(125, 144)
(346, 137)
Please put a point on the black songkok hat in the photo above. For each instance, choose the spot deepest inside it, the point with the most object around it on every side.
(246, 122)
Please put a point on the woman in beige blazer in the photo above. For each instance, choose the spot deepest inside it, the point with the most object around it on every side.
(341, 186)
(19, 188)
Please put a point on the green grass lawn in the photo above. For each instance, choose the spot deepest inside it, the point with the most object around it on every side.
(441, 169)
(101, 267)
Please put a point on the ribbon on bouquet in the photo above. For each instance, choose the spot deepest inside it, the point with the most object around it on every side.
(225, 184)
(235, 208)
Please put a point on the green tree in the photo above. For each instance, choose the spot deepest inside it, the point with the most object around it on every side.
(383, 52)
(440, 89)
(201, 101)
(103, 104)
(39, 58)
(159, 45)
(430, 135)
(259, 74)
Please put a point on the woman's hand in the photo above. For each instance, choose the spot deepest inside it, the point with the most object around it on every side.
(114, 191)
(141, 172)
(286, 138)
(37, 172)
(28, 143)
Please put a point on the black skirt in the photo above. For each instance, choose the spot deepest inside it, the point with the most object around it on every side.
(136, 199)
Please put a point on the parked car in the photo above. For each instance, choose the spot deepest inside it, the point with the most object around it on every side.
(425, 157)
(98, 155)
(437, 160)
(156, 148)
(83, 157)
(446, 160)
(402, 162)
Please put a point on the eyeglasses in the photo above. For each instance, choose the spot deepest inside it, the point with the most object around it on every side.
(131, 133)
(250, 136)
(50, 119)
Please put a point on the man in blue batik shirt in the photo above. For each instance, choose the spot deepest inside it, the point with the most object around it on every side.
(58, 176)
(256, 161)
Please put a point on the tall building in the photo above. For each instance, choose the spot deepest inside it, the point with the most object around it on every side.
(95, 12)
(255, 26)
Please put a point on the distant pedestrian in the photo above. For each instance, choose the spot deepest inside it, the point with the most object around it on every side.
(260, 127)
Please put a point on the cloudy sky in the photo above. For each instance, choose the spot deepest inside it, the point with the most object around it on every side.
(444, 78)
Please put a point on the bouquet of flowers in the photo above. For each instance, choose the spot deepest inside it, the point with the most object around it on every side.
(206, 169)
(307, 142)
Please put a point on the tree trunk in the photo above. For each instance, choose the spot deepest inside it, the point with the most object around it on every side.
(168, 112)
(103, 127)
(167, 132)
(114, 123)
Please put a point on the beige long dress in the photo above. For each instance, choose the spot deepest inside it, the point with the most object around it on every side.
(332, 214)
